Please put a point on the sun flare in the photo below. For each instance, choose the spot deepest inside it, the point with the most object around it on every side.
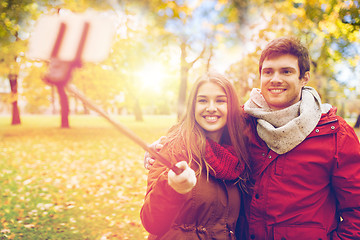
(152, 76)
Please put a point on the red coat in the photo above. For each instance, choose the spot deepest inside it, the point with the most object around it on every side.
(302, 194)
(209, 211)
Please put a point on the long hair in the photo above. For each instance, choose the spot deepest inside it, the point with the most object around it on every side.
(188, 139)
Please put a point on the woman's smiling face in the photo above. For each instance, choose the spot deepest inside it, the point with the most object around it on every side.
(211, 110)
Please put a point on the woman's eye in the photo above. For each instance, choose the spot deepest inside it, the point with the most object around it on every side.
(267, 72)
(221, 101)
(201, 100)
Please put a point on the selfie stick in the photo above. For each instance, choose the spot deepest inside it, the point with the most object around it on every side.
(126, 131)
(58, 75)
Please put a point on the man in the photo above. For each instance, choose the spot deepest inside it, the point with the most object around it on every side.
(305, 158)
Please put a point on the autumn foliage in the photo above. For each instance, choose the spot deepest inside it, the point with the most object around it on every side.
(86, 182)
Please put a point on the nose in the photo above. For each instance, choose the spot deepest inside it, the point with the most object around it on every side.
(211, 107)
(276, 78)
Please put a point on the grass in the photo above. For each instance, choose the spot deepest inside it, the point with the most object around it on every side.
(86, 182)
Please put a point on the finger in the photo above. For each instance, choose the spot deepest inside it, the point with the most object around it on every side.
(158, 147)
(182, 165)
(161, 139)
(146, 163)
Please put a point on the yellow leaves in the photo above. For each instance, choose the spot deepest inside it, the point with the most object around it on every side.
(5, 231)
(328, 27)
(4, 4)
(223, 1)
(355, 61)
(81, 183)
(7, 234)
(29, 225)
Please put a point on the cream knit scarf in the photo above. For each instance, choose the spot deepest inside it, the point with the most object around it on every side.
(284, 129)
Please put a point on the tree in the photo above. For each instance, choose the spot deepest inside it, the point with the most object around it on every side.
(350, 15)
(321, 25)
(12, 47)
(13, 22)
(196, 28)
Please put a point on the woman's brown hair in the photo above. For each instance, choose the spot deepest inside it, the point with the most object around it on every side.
(188, 138)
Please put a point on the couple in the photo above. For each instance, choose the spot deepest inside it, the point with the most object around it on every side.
(282, 167)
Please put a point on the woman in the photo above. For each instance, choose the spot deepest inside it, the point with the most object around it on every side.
(203, 202)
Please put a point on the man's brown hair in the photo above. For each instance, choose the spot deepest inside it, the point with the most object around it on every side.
(287, 45)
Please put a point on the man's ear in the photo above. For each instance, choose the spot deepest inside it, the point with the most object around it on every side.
(306, 78)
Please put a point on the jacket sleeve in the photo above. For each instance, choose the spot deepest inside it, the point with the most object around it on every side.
(346, 183)
(162, 203)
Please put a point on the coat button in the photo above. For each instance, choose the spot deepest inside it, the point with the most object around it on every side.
(332, 127)
(283, 238)
(270, 157)
(257, 196)
(252, 236)
(317, 130)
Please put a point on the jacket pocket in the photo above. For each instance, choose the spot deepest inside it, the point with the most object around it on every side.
(294, 232)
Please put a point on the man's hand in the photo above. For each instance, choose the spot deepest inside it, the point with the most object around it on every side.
(157, 146)
(185, 181)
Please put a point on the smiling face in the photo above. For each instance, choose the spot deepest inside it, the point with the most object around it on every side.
(211, 110)
(280, 83)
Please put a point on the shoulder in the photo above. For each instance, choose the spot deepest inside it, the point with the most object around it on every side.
(345, 131)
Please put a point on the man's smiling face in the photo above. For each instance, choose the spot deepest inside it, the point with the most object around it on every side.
(280, 83)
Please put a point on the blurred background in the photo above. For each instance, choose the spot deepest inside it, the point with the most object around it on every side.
(161, 46)
(77, 177)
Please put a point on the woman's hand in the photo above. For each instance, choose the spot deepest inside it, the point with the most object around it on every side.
(185, 181)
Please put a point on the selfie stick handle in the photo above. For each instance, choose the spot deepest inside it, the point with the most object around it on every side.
(126, 131)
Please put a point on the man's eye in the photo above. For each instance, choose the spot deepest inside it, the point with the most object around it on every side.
(287, 72)
(266, 72)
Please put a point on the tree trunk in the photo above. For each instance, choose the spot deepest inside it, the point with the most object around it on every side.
(138, 112)
(15, 108)
(183, 82)
(357, 124)
(59, 73)
(86, 109)
(185, 67)
(15, 114)
(64, 104)
(53, 99)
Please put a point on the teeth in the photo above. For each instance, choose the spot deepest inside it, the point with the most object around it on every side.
(276, 90)
(212, 118)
